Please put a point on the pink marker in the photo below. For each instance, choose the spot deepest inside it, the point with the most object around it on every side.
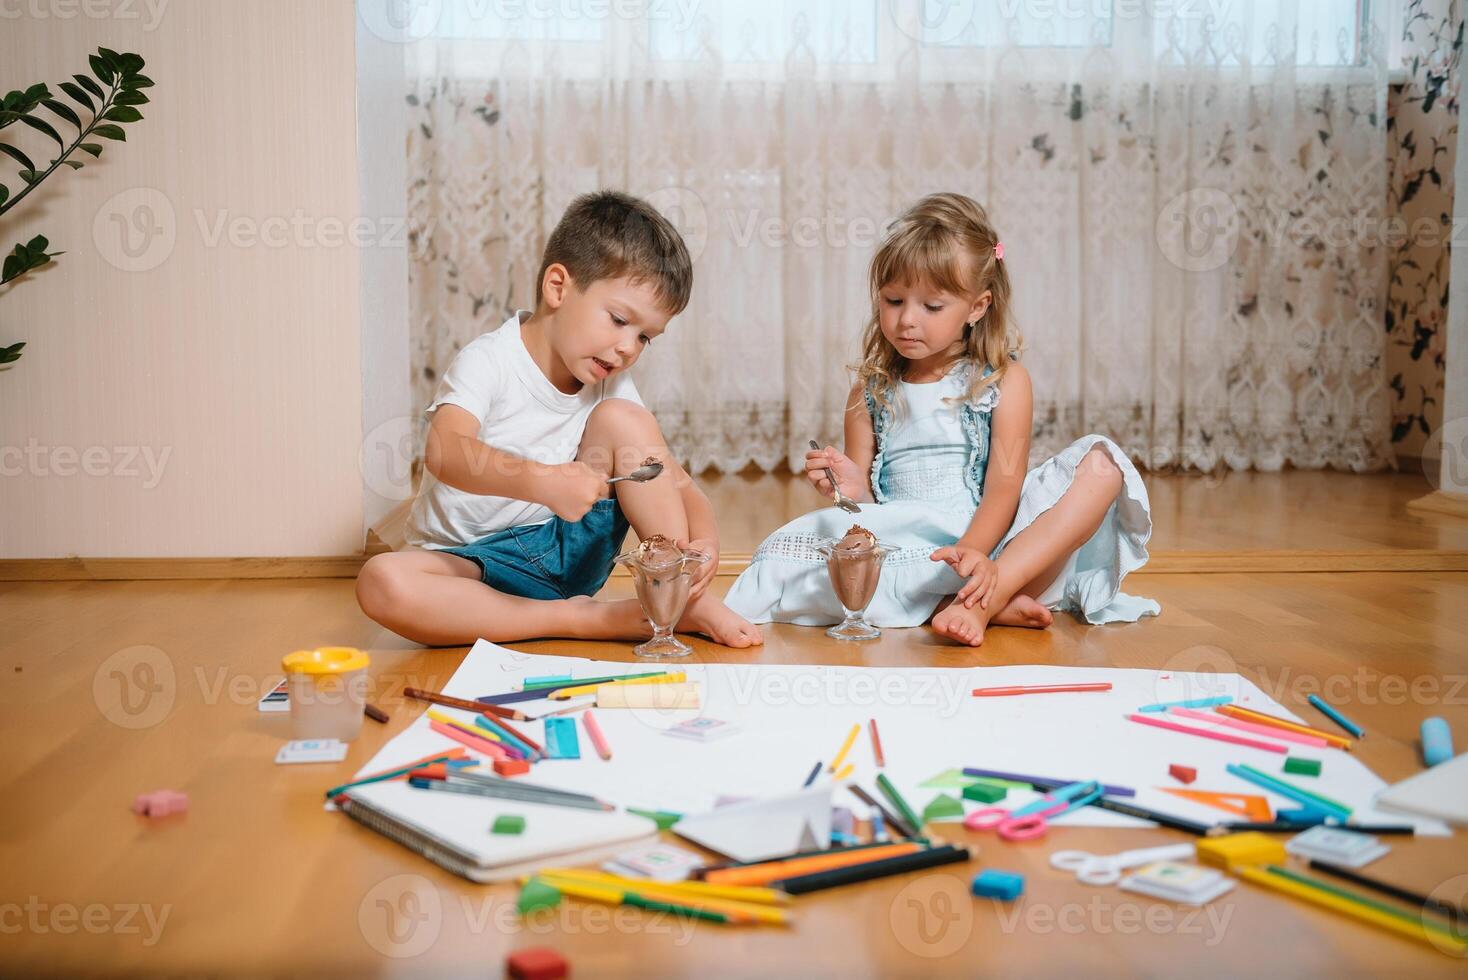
(1218, 736)
(597, 738)
(1249, 726)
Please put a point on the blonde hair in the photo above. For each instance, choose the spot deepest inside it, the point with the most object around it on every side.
(945, 240)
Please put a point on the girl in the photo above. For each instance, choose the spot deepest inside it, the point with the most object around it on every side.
(937, 442)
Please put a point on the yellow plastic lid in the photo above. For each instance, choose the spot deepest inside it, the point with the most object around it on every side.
(324, 660)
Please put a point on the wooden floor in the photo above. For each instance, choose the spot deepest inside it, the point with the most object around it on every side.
(113, 688)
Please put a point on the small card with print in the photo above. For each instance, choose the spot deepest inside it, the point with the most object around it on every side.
(1188, 884)
(312, 750)
(1336, 845)
(702, 729)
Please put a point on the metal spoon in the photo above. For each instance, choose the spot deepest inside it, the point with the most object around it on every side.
(640, 475)
(842, 501)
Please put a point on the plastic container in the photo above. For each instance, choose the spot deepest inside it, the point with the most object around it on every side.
(328, 691)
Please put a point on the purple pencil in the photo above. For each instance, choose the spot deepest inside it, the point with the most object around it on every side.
(1043, 782)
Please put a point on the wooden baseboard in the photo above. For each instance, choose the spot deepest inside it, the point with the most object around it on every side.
(1438, 502)
(347, 566)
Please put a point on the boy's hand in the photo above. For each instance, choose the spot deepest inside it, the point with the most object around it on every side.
(852, 480)
(572, 489)
(975, 566)
(707, 570)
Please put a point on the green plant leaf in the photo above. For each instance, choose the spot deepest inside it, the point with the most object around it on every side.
(43, 126)
(107, 131)
(73, 164)
(11, 353)
(37, 244)
(130, 98)
(37, 92)
(90, 86)
(130, 64)
(100, 69)
(75, 91)
(113, 59)
(29, 176)
(64, 111)
(18, 156)
(136, 82)
(120, 113)
(4, 193)
(95, 149)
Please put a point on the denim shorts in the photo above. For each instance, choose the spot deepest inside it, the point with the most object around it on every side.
(554, 560)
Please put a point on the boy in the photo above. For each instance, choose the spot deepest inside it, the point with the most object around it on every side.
(514, 526)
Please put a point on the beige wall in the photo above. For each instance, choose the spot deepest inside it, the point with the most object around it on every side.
(216, 394)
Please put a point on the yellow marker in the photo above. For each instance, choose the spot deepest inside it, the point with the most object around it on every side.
(673, 895)
(845, 748)
(677, 677)
(738, 893)
(846, 771)
(1442, 940)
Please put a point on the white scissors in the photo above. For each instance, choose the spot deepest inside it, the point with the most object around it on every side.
(1106, 869)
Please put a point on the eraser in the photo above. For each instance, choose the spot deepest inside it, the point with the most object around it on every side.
(1302, 767)
(511, 767)
(1250, 847)
(1437, 741)
(508, 824)
(1183, 774)
(161, 802)
(1003, 885)
(984, 793)
(536, 963)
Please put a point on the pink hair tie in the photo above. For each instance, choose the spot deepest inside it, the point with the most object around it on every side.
(998, 250)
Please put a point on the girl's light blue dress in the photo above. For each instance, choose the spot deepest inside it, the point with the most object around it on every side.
(928, 477)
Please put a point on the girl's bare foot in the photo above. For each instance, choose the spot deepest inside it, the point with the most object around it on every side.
(961, 623)
(709, 616)
(1024, 611)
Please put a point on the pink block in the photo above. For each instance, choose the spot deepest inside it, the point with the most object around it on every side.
(161, 802)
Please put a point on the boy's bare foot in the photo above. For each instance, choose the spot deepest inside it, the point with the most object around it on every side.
(961, 623)
(1024, 611)
(620, 619)
(709, 616)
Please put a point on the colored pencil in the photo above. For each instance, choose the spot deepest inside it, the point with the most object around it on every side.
(1248, 714)
(1289, 790)
(1270, 879)
(399, 772)
(375, 713)
(1450, 912)
(753, 894)
(618, 896)
(1350, 727)
(705, 897)
(845, 748)
(845, 772)
(877, 746)
(1430, 929)
(562, 693)
(490, 734)
(506, 790)
(1190, 703)
(1205, 733)
(1156, 816)
(505, 738)
(763, 874)
(895, 798)
(533, 685)
(481, 745)
(871, 870)
(1001, 692)
(516, 733)
(815, 771)
(1042, 782)
(701, 873)
(598, 740)
(589, 702)
(463, 703)
(892, 819)
(1296, 827)
(1250, 726)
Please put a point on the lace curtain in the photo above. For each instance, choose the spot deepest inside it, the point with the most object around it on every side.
(1191, 195)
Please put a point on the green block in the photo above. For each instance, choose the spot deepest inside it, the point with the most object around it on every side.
(943, 807)
(662, 818)
(536, 894)
(1302, 767)
(984, 793)
(507, 824)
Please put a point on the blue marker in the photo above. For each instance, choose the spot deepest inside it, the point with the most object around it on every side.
(1349, 726)
(1194, 703)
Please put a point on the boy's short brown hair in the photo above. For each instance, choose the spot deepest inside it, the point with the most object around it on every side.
(608, 235)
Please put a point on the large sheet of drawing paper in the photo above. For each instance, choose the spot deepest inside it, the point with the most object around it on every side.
(791, 716)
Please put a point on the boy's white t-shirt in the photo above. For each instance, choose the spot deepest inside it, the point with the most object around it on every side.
(495, 379)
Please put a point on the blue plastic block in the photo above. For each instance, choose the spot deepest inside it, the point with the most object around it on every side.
(1003, 885)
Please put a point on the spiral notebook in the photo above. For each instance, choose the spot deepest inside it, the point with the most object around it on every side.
(453, 831)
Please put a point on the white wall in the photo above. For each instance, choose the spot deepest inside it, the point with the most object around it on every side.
(217, 391)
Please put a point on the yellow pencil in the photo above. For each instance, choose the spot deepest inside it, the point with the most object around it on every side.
(674, 896)
(1406, 927)
(738, 893)
(846, 771)
(483, 733)
(677, 677)
(845, 748)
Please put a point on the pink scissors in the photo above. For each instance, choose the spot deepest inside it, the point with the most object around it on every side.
(1028, 822)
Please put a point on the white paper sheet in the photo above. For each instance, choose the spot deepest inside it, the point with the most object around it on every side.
(792, 716)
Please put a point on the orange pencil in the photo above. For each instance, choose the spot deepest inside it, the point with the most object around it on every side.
(877, 746)
(1246, 714)
(597, 738)
(763, 874)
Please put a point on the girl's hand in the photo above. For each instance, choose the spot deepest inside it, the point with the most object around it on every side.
(707, 570)
(852, 480)
(974, 565)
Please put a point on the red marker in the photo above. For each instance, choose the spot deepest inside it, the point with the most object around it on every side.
(999, 692)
